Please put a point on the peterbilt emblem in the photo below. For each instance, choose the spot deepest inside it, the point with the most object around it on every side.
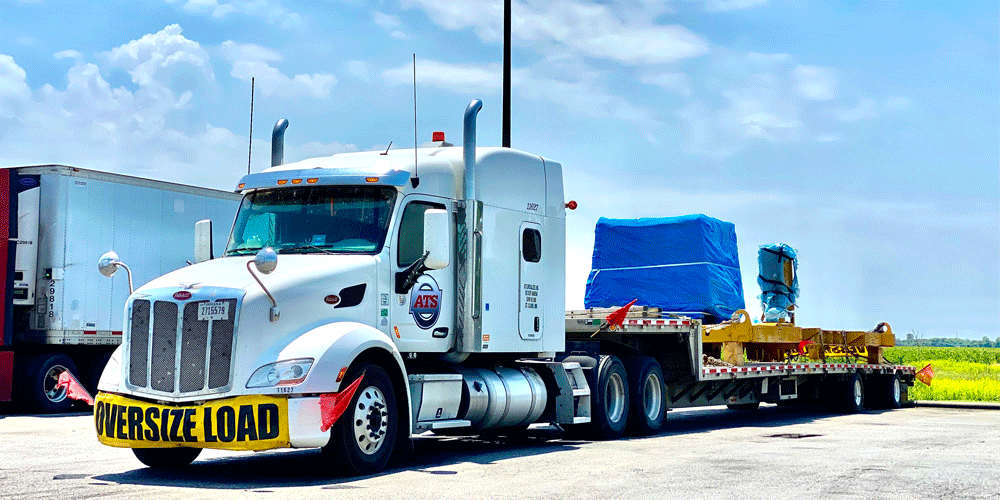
(182, 295)
(331, 299)
(425, 302)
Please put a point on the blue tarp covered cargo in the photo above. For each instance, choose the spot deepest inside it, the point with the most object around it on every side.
(686, 264)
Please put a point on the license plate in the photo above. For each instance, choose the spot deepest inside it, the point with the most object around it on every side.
(241, 423)
(213, 310)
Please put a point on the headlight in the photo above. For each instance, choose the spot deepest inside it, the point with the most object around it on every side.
(290, 372)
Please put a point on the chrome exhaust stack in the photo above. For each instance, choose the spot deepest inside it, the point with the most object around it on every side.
(278, 142)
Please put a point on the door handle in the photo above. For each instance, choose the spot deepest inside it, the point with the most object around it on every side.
(440, 333)
(538, 323)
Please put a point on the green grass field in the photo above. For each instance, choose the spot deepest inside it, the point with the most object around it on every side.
(960, 373)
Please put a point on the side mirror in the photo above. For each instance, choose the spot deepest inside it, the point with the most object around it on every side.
(437, 238)
(108, 264)
(202, 241)
(266, 260)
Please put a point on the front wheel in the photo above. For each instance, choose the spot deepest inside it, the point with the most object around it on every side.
(42, 392)
(166, 458)
(362, 439)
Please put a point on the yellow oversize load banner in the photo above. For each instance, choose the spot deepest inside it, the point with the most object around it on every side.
(240, 423)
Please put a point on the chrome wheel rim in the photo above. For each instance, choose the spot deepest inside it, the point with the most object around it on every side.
(897, 391)
(371, 420)
(857, 393)
(614, 398)
(652, 396)
(50, 383)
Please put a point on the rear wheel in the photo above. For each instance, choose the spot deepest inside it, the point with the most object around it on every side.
(609, 400)
(852, 394)
(648, 407)
(41, 392)
(890, 389)
(363, 438)
(166, 458)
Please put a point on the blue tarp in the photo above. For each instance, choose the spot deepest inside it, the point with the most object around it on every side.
(686, 264)
(776, 297)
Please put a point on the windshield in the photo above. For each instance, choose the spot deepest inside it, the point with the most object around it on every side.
(313, 219)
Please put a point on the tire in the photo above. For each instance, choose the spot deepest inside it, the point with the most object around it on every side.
(890, 392)
(648, 408)
(43, 374)
(609, 400)
(744, 406)
(852, 396)
(166, 458)
(354, 445)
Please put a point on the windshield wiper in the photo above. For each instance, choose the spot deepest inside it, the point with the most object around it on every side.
(303, 248)
(243, 251)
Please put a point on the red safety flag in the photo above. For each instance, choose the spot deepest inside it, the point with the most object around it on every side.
(618, 317)
(74, 390)
(332, 406)
(926, 374)
(802, 347)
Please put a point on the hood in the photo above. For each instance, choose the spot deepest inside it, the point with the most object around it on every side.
(231, 272)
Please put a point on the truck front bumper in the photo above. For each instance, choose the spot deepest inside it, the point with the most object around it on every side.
(253, 422)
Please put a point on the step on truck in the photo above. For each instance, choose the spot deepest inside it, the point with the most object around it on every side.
(366, 298)
(58, 315)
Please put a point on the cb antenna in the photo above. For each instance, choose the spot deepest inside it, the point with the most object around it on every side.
(250, 148)
(415, 181)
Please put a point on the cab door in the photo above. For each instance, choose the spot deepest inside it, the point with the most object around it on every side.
(530, 306)
(422, 317)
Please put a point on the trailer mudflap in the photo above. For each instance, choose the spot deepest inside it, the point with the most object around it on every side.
(241, 423)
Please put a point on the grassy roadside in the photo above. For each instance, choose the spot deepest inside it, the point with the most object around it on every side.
(960, 373)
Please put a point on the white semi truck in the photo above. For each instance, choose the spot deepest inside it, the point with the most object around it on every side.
(58, 315)
(365, 298)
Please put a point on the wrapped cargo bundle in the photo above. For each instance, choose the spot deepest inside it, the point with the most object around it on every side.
(687, 265)
(778, 280)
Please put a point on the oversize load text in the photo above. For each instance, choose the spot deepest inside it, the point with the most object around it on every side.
(225, 424)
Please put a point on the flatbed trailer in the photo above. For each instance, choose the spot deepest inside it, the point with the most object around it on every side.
(694, 378)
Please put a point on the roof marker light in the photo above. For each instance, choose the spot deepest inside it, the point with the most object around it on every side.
(371, 179)
(282, 182)
(296, 181)
(314, 180)
(240, 186)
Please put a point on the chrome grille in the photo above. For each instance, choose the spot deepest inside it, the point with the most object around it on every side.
(179, 354)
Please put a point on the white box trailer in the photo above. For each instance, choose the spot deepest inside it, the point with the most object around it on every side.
(58, 312)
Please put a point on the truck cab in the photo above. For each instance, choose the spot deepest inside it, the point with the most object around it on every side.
(409, 270)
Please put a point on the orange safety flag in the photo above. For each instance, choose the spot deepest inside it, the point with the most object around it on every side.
(74, 390)
(926, 374)
(332, 406)
(618, 317)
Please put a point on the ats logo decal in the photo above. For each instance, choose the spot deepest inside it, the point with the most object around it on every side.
(425, 302)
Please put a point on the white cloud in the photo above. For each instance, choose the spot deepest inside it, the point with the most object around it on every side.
(14, 91)
(390, 24)
(166, 58)
(359, 69)
(263, 9)
(593, 30)
(675, 82)
(725, 5)
(68, 54)
(815, 82)
(252, 61)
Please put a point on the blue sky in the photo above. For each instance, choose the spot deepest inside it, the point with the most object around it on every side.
(864, 134)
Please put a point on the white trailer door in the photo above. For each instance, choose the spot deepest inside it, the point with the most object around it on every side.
(530, 308)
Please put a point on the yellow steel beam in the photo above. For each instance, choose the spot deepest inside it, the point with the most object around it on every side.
(743, 330)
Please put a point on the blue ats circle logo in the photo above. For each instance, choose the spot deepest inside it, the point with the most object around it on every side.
(28, 182)
(425, 302)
